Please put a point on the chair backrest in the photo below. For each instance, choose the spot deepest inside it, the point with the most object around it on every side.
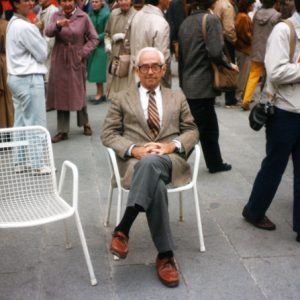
(26, 165)
(196, 163)
(113, 166)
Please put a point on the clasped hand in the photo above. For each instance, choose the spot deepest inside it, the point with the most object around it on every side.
(153, 148)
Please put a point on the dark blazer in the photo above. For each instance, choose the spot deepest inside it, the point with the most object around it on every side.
(195, 56)
(125, 125)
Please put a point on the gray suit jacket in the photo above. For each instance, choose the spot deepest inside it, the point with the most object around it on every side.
(125, 125)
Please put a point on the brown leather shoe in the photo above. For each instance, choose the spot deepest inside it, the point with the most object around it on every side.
(265, 223)
(119, 244)
(167, 271)
(61, 136)
(87, 130)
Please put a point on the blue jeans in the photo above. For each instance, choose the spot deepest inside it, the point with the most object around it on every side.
(28, 93)
(283, 139)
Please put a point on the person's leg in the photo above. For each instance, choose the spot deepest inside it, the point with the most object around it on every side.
(148, 186)
(280, 139)
(256, 70)
(296, 163)
(230, 95)
(243, 62)
(205, 117)
(83, 120)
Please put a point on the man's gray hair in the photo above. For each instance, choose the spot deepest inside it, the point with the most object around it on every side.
(149, 49)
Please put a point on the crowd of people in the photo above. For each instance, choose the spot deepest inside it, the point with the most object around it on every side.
(48, 50)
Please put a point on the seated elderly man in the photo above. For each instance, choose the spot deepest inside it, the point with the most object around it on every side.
(152, 131)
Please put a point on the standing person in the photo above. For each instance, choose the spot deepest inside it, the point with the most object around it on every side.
(26, 55)
(150, 29)
(42, 20)
(196, 77)
(282, 129)
(243, 26)
(263, 22)
(225, 10)
(75, 38)
(97, 60)
(114, 38)
(6, 104)
(152, 131)
(26, 52)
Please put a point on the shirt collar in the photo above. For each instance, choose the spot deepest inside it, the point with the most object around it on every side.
(144, 90)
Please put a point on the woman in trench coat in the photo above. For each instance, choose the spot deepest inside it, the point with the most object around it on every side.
(114, 38)
(75, 38)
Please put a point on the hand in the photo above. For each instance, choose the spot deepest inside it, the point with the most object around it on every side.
(160, 148)
(139, 152)
(234, 67)
(39, 24)
(63, 23)
(108, 47)
(118, 37)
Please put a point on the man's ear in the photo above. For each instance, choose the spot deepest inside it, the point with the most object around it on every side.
(164, 68)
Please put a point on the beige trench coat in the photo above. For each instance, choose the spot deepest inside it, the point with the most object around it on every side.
(116, 24)
(125, 125)
(150, 29)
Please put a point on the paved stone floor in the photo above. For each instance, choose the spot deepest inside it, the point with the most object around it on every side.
(241, 262)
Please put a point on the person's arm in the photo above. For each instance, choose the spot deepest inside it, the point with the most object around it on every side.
(228, 18)
(277, 63)
(52, 27)
(91, 37)
(35, 43)
(215, 41)
(112, 131)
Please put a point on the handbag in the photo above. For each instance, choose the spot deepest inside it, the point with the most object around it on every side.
(261, 112)
(119, 64)
(225, 79)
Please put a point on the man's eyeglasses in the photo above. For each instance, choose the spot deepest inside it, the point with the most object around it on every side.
(145, 68)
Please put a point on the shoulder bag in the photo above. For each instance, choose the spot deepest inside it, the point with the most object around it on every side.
(119, 65)
(261, 112)
(225, 79)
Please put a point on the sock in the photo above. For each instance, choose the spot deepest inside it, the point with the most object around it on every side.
(130, 215)
(167, 254)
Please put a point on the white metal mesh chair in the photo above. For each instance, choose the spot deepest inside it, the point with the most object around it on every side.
(28, 189)
(115, 177)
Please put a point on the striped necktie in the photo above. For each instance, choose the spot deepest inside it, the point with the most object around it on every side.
(153, 116)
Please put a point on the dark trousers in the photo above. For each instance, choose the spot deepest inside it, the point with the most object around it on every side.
(203, 111)
(63, 119)
(148, 190)
(230, 95)
(283, 139)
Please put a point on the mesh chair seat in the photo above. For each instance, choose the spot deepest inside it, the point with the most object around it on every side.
(31, 210)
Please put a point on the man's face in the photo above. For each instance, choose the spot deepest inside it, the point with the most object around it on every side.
(150, 70)
(124, 4)
(67, 6)
(164, 4)
(24, 7)
(44, 3)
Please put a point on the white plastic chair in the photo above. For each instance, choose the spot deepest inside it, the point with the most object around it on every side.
(115, 175)
(28, 189)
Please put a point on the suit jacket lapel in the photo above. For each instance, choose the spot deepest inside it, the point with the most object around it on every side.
(134, 103)
(166, 105)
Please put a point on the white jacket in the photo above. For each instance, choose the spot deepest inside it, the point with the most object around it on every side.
(283, 77)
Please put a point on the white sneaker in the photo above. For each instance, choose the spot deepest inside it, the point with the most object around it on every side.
(42, 171)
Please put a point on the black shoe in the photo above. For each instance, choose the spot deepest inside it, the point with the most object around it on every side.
(265, 223)
(222, 168)
(298, 237)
